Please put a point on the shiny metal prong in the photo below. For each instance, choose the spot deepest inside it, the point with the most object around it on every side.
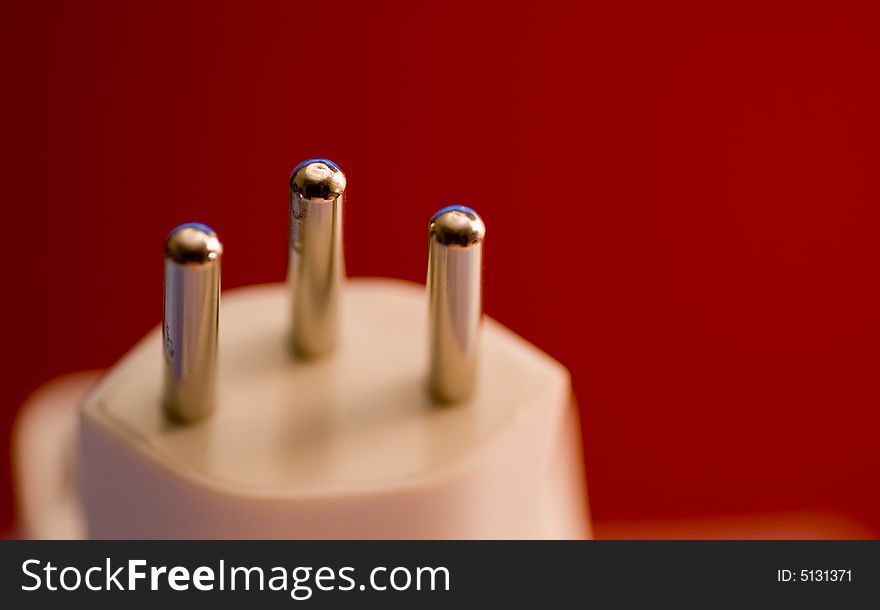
(191, 318)
(455, 301)
(315, 267)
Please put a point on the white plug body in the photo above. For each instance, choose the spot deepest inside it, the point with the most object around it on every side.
(44, 442)
(347, 446)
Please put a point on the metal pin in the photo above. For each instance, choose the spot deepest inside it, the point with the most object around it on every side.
(189, 331)
(315, 266)
(455, 301)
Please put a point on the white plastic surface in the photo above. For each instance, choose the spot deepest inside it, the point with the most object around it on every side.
(44, 468)
(345, 447)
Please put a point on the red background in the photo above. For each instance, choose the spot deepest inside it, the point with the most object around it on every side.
(681, 204)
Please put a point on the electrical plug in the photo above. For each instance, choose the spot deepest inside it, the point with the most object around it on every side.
(328, 407)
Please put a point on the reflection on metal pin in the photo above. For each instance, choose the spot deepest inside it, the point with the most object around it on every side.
(315, 265)
(190, 327)
(455, 301)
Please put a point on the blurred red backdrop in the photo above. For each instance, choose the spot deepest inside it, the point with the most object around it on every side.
(709, 171)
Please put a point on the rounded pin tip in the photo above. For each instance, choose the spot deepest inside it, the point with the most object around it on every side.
(457, 225)
(317, 179)
(193, 243)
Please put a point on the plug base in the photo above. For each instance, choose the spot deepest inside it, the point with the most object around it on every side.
(348, 446)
